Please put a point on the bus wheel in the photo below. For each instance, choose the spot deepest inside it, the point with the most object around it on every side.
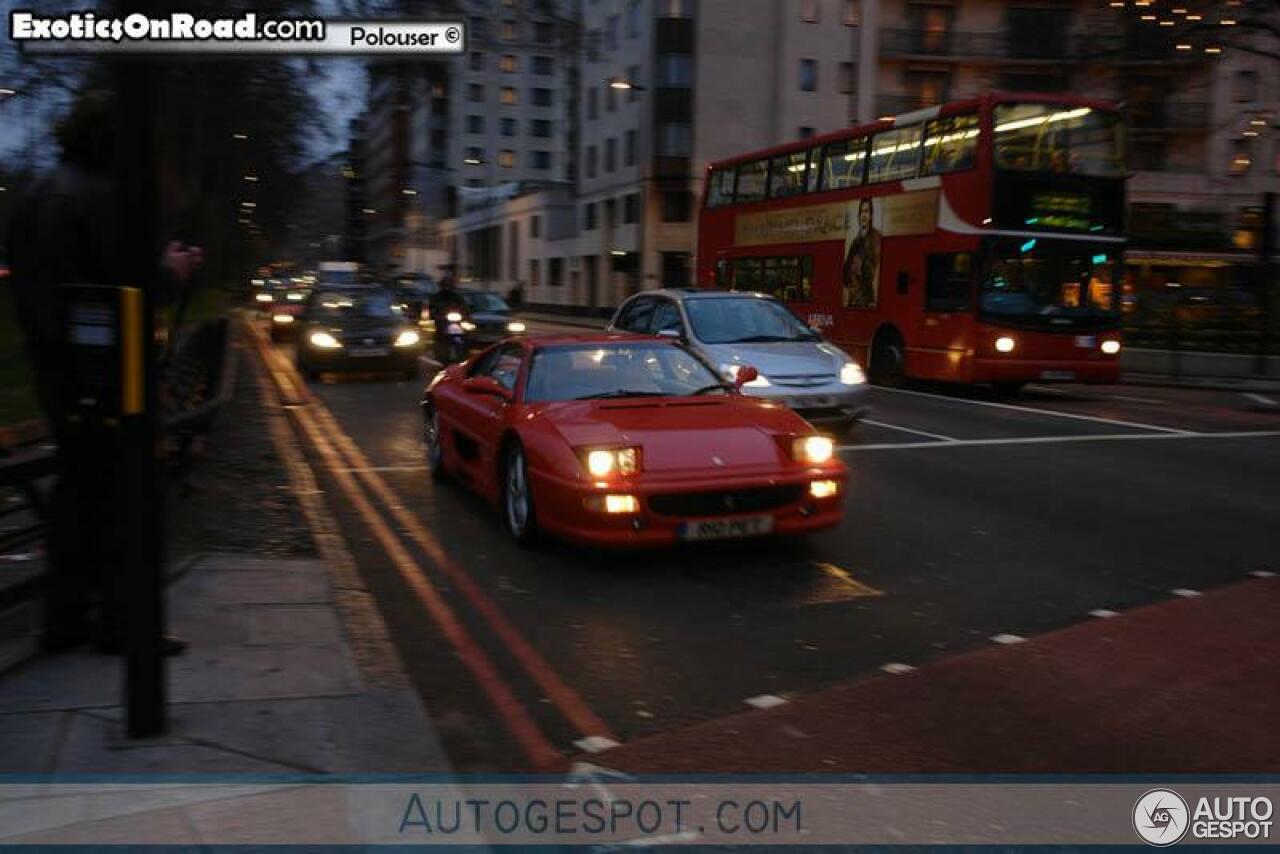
(887, 354)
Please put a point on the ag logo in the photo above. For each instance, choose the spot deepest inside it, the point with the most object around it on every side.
(1161, 817)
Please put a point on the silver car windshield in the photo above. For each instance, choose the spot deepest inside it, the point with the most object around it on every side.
(728, 320)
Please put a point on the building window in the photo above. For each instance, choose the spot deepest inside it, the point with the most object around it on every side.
(852, 14)
(555, 276)
(510, 95)
(535, 227)
(541, 97)
(675, 139)
(633, 18)
(677, 206)
(804, 132)
(808, 75)
(541, 128)
(543, 32)
(509, 64)
(541, 160)
(631, 208)
(591, 161)
(610, 154)
(475, 154)
(589, 216)
(508, 127)
(674, 71)
(1241, 156)
(475, 124)
(479, 28)
(1246, 86)
(510, 32)
(611, 33)
(676, 8)
(513, 249)
(543, 65)
(535, 268)
(593, 103)
(629, 149)
(506, 158)
(477, 60)
(475, 93)
(809, 11)
(846, 77)
(610, 98)
(633, 77)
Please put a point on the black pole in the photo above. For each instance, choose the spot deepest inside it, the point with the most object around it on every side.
(1267, 279)
(142, 585)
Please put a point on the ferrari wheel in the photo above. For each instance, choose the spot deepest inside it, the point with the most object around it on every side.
(517, 498)
(431, 438)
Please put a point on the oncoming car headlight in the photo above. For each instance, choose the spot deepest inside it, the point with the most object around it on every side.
(813, 450)
(282, 318)
(602, 462)
(324, 340)
(851, 374)
(454, 317)
(1110, 346)
(264, 298)
(407, 338)
(515, 326)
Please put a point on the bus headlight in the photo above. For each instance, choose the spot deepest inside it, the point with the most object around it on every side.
(851, 374)
(813, 450)
(1005, 344)
(407, 338)
(324, 341)
(1111, 347)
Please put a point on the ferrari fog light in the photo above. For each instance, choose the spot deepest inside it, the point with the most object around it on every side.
(813, 449)
(824, 488)
(621, 504)
(1110, 347)
(1005, 344)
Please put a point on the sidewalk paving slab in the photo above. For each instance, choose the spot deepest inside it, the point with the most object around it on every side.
(270, 684)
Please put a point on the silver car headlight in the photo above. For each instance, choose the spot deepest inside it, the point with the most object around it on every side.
(851, 374)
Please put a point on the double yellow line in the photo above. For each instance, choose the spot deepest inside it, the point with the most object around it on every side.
(358, 482)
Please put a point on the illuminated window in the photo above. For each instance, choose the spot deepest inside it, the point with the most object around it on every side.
(509, 30)
(787, 174)
(721, 190)
(809, 11)
(852, 15)
(509, 64)
(752, 178)
(843, 164)
(509, 95)
(506, 158)
(950, 144)
(895, 155)
(1241, 156)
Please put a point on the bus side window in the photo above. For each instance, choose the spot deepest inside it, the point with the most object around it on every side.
(950, 144)
(949, 285)
(842, 164)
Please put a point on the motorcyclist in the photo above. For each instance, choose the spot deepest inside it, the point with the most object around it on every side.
(444, 302)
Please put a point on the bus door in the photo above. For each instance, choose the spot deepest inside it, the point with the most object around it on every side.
(938, 347)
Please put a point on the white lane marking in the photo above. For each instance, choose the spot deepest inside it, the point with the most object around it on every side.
(925, 433)
(1263, 573)
(1185, 593)
(897, 668)
(1035, 411)
(1072, 395)
(1007, 639)
(1049, 440)
(1103, 614)
(1132, 399)
(1260, 398)
(382, 469)
(595, 744)
(766, 701)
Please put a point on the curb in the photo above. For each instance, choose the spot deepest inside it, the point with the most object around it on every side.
(1254, 385)
(24, 433)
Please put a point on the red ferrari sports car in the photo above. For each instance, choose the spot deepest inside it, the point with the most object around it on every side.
(622, 440)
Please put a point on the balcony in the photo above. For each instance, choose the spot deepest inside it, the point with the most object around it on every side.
(1006, 45)
(1169, 117)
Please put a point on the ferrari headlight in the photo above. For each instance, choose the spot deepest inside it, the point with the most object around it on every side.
(851, 374)
(1110, 346)
(1005, 344)
(515, 326)
(602, 462)
(324, 340)
(407, 338)
(454, 317)
(731, 371)
(813, 450)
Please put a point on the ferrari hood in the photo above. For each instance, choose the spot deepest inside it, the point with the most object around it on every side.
(678, 434)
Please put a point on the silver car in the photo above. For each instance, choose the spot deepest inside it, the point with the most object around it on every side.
(735, 328)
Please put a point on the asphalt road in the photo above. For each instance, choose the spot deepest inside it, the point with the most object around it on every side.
(968, 517)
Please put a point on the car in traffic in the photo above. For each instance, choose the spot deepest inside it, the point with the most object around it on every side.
(358, 329)
(288, 304)
(621, 440)
(415, 293)
(487, 319)
(731, 329)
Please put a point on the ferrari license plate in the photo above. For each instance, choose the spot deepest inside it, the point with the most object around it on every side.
(369, 352)
(1086, 342)
(726, 529)
(1057, 375)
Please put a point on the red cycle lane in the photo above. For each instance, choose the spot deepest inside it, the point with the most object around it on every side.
(1186, 685)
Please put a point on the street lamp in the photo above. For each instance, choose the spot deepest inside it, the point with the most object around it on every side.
(7, 93)
(625, 85)
(473, 161)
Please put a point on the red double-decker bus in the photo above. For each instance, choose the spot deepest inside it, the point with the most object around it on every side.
(977, 242)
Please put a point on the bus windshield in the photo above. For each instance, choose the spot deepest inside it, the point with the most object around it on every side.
(1023, 283)
(1058, 139)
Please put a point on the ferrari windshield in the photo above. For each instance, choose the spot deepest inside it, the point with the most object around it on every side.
(599, 371)
(738, 320)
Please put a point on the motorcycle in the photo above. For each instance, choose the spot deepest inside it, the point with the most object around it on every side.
(451, 338)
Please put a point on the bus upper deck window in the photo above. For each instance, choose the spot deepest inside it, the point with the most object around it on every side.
(950, 144)
(843, 164)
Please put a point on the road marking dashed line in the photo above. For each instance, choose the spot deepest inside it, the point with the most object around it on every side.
(765, 701)
(926, 433)
(1185, 592)
(1260, 398)
(1008, 639)
(1103, 613)
(1049, 440)
(1263, 573)
(1036, 411)
(595, 744)
(897, 668)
